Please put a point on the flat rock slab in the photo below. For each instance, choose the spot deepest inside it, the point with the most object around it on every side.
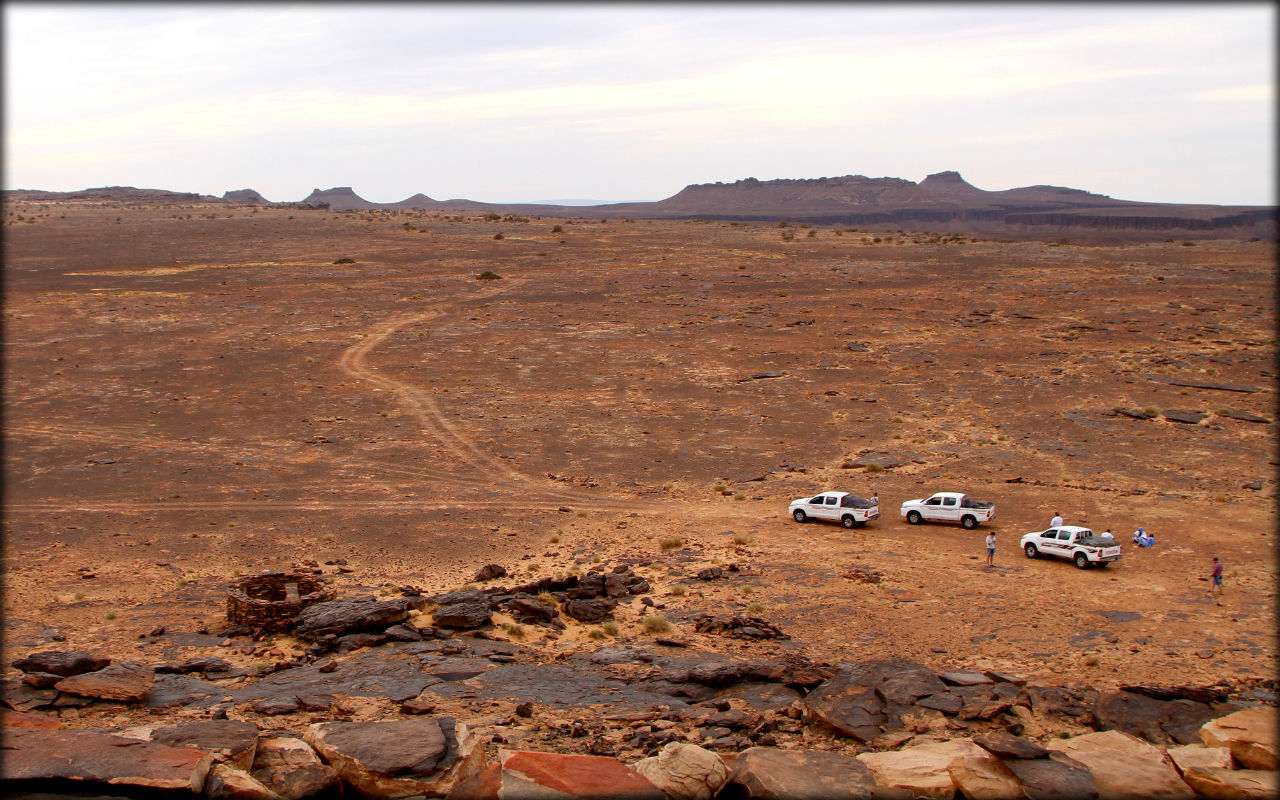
(1053, 778)
(469, 614)
(1250, 735)
(768, 773)
(182, 690)
(1006, 745)
(126, 681)
(235, 739)
(1186, 416)
(964, 677)
(553, 684)
(1199, 384)
(685, 771)
(1234, 784)
(553, 776)
(1125, 766)
(36, 755)
(372, 674)
(62, 662)
(1156, 721)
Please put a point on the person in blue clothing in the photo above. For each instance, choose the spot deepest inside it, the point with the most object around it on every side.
(1215, 575)
(1143, 539)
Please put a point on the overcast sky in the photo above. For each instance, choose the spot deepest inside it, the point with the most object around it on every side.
(527, 102)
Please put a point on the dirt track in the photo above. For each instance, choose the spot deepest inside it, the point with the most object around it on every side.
(192, 395)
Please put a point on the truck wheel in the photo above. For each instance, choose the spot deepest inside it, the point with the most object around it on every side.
(969, 522)
(1082, 561)
(800, 515)
(913, 517)
(848, 521)
(1031, 551)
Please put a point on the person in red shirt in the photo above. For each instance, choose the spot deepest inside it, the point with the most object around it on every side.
(1215, 576)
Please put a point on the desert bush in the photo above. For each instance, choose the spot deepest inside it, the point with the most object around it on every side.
(671, 543)
(492, 217)
(557, 229)
(743, 538)
(739, 496)
(595, 634)
(875, 468)
(580, 514)
(610, 627)
(788, 236)
(514, 629)
(498, 235)
(755, 607)
(549, 599)
(678, 590)
(719, 487)
(655, 623)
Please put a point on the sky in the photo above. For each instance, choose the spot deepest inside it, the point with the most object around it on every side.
(1157, 102)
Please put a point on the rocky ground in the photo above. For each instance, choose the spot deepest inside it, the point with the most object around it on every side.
(196, 395)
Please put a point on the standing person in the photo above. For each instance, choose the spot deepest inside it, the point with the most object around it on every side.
(1215, 576)
(991, 549)
(1056, 522)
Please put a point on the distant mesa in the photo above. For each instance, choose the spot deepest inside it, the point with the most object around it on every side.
(245, 197)
(942, 202)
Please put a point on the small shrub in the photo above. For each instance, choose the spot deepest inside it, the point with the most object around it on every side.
(743, 538)
(755, 607)
(499, 235)
(671, 543)
(557, 229)
(595, 634)
(610, 627)
(549, 599)
(739, 496)
(719, 487)
(677, 590)
(555, 537)
(514, 629)
(875, 468)
(488, 275)
(580, 514)
(110, 615)
(655, 623)
(748, 590)
(345, 261)
(1091, 661)
(79, 595)
(788, 236)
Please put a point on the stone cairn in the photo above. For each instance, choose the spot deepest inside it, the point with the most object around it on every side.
(270, 602)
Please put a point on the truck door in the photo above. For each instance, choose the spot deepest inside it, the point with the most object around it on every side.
(830, 507)
(932, 508)
(950, 509)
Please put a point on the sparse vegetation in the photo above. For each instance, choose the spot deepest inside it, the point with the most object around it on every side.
(678, 590)
(610, 627)
(755, 607)
(671, 543)
(514, 629)
(739, 496)
(743, 538)
(655, 623)
(595, 634)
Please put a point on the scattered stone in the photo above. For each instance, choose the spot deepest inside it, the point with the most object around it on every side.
(1125, 766)
(710, 574)
(275, 706)
(417, 705)
(739, 627)
(202, 664)
(528, 609)
(945, 702)
(490, 571)
(62, 662)
(41, 680)
(126, 681)
(1135, 413)
(1185, 416)
(862, 574)
(685, 771)
(464, 615)
(524, 710)
(44, 755)
(338, 617)
(424, 755)
(1250, 735)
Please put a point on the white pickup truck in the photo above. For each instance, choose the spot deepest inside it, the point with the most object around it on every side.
(949, 507)
(1073, 543)
(847, 509)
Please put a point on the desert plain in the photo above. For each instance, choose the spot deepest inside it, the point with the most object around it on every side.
(203, 392)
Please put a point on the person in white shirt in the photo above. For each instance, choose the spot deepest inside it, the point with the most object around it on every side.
(1107, 534)
(991, 549)
(1056, 522)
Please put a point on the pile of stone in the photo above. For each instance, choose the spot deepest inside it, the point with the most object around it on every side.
(737, 626)
(589, 598)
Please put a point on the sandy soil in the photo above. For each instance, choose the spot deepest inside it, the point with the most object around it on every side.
(196, 393)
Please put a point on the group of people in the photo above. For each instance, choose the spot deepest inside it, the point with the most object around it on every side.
(1143, 539)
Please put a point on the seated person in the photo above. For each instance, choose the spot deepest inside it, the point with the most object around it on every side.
(1139, 535)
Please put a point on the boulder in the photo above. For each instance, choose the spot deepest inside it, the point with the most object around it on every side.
(234, 740)
(1250, 735)
(1156, 721)
(721, 673)
(589, 609)
(685, 771)
(489, 571)
(468, 614)
(62, 662)
(1124, 766)
(861, 698)
(1233, 784)
(424, 755)
(1189, 756)
(227, 783)
(556, 776)
(964, 677)
(291, 769)
(528, 609)
(924, 770)
(1053, 778)
(355, 615)
(768, 773)
(126, 681)
(20, 697)
(43, 755)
